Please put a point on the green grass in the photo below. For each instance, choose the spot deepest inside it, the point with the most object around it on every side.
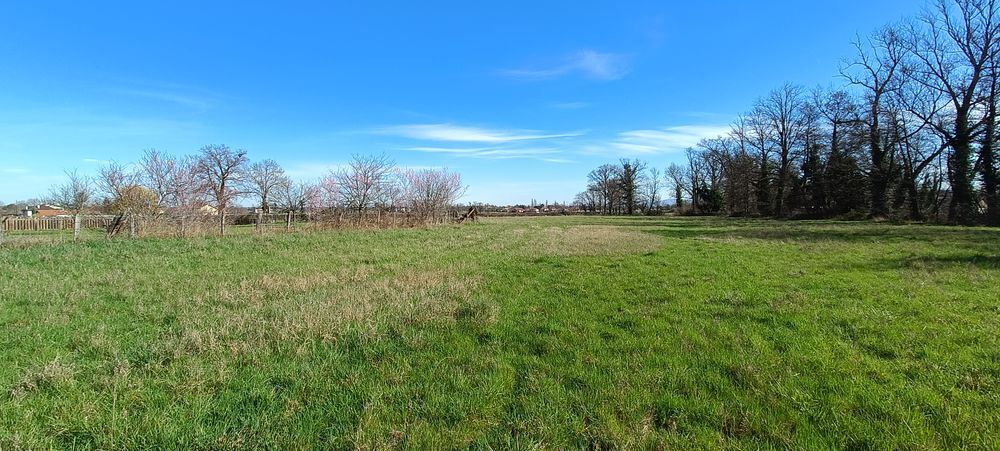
(547, 332)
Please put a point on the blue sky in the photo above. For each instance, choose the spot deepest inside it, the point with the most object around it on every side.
(522, 97)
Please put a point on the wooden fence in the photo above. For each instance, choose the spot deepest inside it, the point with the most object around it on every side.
(11, 224)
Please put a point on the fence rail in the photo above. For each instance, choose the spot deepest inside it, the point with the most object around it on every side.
(10, 224)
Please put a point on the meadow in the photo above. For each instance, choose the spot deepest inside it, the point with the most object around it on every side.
(561, 332)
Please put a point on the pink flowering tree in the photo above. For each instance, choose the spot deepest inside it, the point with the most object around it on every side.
(428, 193)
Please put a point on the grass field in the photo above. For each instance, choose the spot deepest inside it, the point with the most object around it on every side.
(547, 332)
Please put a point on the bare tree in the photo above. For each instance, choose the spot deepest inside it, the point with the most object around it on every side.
(630, 179)
(74, 194)
(877, 69)
(221, 171)
(754, 130)
(988, 164)
(705, 174)
(908, 135)
(714, 152)
(156, 170)
(291, 195)
(115, 182)
(954, 53)
(839, 110)
(125, 197)
(363, 183)
(680, 182)
(176, 184)
(651, 190)
(604, 180)
(741, 170)
(589, 199)
(263, 179)
(185, 193)
(428, 193)
(782, 110)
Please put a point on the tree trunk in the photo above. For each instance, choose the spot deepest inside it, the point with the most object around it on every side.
(878, 180)
(879, 185)
(911, 188)
(222, 222)
(990, 183)
(960, 211)
(779, 201)
(988, 164)
(76, 227)
(763, 189)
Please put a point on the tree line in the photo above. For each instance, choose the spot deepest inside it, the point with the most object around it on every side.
(910, 135)
(626, 187)
(184, 190)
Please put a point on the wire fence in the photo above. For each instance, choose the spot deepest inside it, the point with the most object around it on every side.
(21, 231)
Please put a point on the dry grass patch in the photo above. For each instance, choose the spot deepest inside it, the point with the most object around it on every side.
(416, 297)
(253, 314)
(52, 374)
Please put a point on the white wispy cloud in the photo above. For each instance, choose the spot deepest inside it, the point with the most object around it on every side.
(458, 133)
(311, 171)
(480, 142)
(494, 153)
(587, 63)
(658, 141)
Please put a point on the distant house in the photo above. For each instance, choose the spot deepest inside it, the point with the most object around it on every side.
(44, 210)
(50, 210)
(208, 210)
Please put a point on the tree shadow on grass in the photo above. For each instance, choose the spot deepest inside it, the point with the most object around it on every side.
(981, 240)
(925, 262)
(944, 261)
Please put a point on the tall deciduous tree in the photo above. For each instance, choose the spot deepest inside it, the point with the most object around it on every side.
(604, 181)
(877, 70)
(954, 53)
(428, 193)
(263, 179)
(222, 171)
(630, 178)
(782, 109)
(364, 182)
(651, 189)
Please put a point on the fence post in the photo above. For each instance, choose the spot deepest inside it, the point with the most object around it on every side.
(131, 226)
(76, 227)
(288, 221)
(3, 225)
(260, 221)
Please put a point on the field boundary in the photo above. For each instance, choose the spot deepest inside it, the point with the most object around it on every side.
(16, 224)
